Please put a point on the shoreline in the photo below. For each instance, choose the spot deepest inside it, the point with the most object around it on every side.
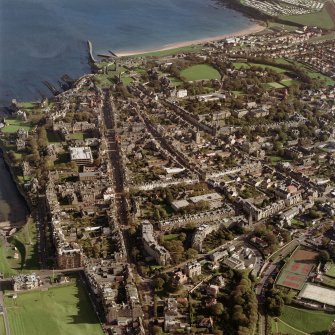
(255, 28)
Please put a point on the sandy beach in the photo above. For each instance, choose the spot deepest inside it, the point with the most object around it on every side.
(251, 30)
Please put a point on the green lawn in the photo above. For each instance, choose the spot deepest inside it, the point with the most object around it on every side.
(28, 105)
(328, 281)
(171, 52)
(200, 72)
(77, 136)
(287, 82)
(321, 19)
(279, 327)
(13, 125)
(175, 81)
(298, 223)
(5, 260)
(64, 310)
(2, 326)
(53, 137)
(126, 80)
(269, 67)
(170, 237)
(274, 85)
(311, 322)
(239, 66)
(275, 159)
(25, 241)
(331, 272)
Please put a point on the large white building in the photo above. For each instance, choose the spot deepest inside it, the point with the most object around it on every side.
(81, 155)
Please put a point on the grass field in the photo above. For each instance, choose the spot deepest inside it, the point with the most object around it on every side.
(2, 326)
(270, 67)
(200, 72)
(170, 237)
(310, 322)
(279, 327)
(53, 137)
(25, 241)
(64, 310)
(171, 52)
(273, 85)
(320, 19)
(26, 244)
(77, 136)
(331, 271)
(5, 264)
(13, 125)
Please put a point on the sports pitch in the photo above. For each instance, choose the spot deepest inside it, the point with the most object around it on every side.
(296, 270)
(64, 310)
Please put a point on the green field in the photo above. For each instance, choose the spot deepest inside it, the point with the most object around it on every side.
(25, 242)
(6, 265)
(13, 125)
(2, 326)
(273, 85)
(321, 19)
(331, 271)
(64, 310)
(279, 327)
(170, 237)
(53, 137)
(239, 66)
(77, 136)
(269, 67)
(310, 322)
(200, 72)
(170, 52)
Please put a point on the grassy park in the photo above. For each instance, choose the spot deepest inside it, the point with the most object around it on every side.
(200, 72)
(2, 326)
(13, 125)
(296, 321)
(320, 19)
(26, 247)
(64, 310)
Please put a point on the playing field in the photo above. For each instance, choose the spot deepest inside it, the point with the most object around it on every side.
(297, 269)
(307, 321)
(64, 310)
(200, 72)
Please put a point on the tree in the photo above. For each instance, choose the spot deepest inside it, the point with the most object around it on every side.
(323, 256)
(191, 253)
(159, 283)
(217, 309)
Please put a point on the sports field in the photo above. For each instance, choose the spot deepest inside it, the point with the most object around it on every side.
(297, 269)
(296, 321)
(200, 72)
(64, 310)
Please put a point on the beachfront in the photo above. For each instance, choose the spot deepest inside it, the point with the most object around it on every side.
(255, 28)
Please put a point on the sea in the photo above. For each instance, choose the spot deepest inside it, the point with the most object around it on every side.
(41, 40)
